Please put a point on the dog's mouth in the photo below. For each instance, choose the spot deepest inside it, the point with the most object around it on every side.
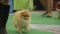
(26, 18)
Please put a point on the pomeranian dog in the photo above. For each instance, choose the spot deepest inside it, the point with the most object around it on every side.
(58, 9)
(22, 20)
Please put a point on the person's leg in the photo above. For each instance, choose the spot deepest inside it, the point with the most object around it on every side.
(3, 18)
(58, 9)
(49, 8)
(2, 30)
(44, 3)
(48, 5)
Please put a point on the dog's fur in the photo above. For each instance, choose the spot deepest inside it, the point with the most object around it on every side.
(21, 20)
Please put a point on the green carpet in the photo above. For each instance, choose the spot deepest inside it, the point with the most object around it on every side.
(11, 29)
(32, 31)
(39, 19)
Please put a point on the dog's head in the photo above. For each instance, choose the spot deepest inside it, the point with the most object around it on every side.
(25, 14)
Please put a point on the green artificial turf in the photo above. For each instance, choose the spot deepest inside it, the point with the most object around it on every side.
(11, 29)
(37, 18)
(32, 31)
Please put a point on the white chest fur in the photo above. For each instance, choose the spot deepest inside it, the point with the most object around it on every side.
(23, 23)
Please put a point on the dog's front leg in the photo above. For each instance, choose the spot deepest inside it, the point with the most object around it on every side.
(27, 28)
(19, 29)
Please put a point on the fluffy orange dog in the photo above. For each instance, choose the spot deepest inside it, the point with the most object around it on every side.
(22, 20)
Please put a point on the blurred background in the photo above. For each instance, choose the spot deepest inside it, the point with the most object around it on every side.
(35, 5)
